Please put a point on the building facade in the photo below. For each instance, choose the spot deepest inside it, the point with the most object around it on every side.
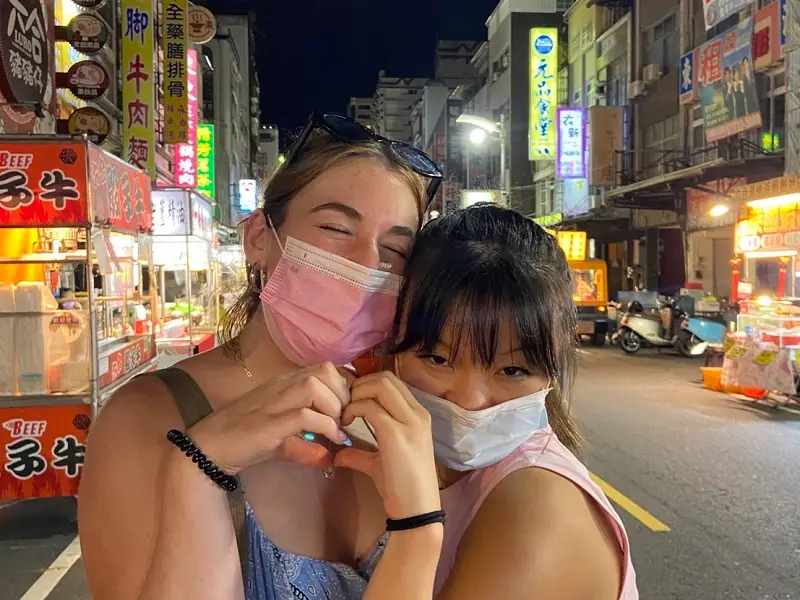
(234, 95)
(360, 109)
(268, 153)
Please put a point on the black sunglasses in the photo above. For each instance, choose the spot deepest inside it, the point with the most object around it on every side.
(351, 131)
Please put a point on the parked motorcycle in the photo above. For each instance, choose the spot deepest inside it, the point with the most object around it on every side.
(673, 326)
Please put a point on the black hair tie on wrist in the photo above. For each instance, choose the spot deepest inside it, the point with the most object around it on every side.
(181, 441)
(437, 516)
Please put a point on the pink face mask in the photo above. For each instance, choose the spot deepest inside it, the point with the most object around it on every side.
(321, 307)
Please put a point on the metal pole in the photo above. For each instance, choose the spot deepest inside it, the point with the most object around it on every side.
(469, 160)
(503, 189)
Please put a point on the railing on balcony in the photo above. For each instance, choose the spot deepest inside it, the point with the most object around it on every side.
(656, 162)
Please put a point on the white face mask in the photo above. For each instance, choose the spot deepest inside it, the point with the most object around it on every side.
(464, 440)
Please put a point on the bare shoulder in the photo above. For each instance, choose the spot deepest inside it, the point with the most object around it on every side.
(118, 500)
(537, 532)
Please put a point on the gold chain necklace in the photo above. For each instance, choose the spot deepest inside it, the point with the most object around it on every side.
(248, 373)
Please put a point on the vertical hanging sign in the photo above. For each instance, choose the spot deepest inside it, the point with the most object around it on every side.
(175, 41)
(205, 159)
(138, 83)
(543, 86)
(185, 155)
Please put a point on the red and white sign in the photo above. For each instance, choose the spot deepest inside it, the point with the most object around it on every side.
(42, 449)
(125, 360)
(185, 155)
(767, 37)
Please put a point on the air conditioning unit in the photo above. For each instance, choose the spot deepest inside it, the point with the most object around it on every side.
(600, 89)
(651, 72)
(636, 89)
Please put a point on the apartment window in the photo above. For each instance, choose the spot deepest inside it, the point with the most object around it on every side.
(545, 198)
(589, 92)
(660, 142)
(662, 43)
(617, 84)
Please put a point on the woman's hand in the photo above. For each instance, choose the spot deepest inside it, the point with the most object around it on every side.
(403, 467)
(266, 421)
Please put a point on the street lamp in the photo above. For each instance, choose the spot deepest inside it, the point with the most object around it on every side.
(487, 126)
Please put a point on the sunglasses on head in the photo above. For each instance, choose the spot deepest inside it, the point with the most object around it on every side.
(350, 131)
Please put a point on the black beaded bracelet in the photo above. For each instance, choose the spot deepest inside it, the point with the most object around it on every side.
(437, 516)
(180, 440)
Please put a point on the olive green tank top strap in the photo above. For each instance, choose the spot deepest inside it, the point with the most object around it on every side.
(194, 406)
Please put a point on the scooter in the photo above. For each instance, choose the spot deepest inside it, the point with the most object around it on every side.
(671, 327)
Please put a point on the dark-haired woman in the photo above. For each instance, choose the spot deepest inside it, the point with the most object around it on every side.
(485, 345)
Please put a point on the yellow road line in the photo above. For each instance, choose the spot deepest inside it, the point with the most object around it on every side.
(629, 506)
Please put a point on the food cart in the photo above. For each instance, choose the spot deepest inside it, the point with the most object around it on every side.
(182, 254)
(590, 293)
(75, 309)
(231, 274)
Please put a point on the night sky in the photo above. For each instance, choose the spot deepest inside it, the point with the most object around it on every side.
(315, 54)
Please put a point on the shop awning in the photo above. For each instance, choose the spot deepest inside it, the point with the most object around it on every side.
(57, 181)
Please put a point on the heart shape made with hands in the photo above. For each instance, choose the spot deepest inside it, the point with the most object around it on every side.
(319, 452)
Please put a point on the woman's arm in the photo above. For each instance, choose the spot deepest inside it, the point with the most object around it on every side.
(536, 537)
(152, 526)
(407, 568)
(140, 495)
(404, 472)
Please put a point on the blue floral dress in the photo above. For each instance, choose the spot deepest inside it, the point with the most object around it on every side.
(278, 575)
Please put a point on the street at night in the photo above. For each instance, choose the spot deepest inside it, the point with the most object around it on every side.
(720, 474)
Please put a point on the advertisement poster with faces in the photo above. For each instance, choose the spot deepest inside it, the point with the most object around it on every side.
(728, 93)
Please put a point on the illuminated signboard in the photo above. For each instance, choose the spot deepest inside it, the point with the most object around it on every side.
(205, 160)
(573, 243)
(248, 195)
(66, 56)
(185, 155)
(138, 84)
(571, 155)
(175, 43)
(543, 93)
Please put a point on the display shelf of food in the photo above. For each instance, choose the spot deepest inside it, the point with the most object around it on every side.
(183, 233)
(771, 321)
(75, 227)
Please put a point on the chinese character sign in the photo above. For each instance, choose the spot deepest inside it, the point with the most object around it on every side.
(171, 213)
(43, 184)
(42, 450)
(728, 93)
(120, 194)
(205, 160)
(185, 155)
(573, 243)
(174, 38)
(687, 78)
(138, 84)
(543, 93)
(571, 155)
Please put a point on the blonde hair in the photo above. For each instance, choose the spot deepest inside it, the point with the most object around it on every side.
(320, 153)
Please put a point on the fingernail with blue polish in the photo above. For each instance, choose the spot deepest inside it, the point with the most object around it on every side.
(346, 441)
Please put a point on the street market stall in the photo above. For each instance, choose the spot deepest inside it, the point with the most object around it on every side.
(182, 253)
(75, 314)
(231, 274)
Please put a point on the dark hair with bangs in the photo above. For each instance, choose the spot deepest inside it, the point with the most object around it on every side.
(478, 267)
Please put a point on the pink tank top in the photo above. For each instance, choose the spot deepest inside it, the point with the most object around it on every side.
(463, 499)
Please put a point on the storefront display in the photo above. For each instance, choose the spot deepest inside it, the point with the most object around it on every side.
(182, 248)
(767, 236)
(75, 304)
(231, 274)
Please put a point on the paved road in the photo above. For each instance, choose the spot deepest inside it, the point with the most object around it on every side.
(723, 476)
